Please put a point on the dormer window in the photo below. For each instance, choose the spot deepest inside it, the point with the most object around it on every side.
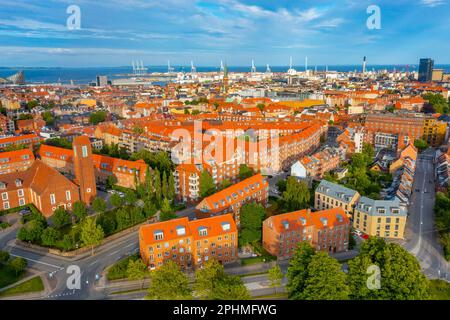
(226, 226)
(18, 182)
(181, 230)
(285, 224)
(202, 231)
(158, 235)
(2, 185)
(302, 221)
(324, 221)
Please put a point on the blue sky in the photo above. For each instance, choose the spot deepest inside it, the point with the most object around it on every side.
(114, 32)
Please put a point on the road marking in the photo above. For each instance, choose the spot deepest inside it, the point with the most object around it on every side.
(112, 253)
(93, 263)
(131, 244)
(36, 261)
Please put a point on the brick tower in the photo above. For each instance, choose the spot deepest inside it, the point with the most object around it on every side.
(84, 169)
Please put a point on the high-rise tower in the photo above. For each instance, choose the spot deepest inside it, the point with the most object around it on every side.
(84, 169)
(426, 69)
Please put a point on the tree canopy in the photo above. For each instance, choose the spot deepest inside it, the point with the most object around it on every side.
(169, 283)
(251, 218)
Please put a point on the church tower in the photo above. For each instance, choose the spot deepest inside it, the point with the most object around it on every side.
(225, 79)
(84, 169)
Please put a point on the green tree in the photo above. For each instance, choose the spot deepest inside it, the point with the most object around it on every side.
(136, 270)
(368, 151)
(167, 211)
(31, 104)
(99, 205)
(60, 218)
(4, 257)
(158, 187)
(297, 273)
(50, 236)
(251, 217)
(108, 223)
(326, 280)
(111, 181)
(47, 116)
(31, 231)
(401, 277)
(149, 208)
(281, 185)
(212, 283)
(149, 185)
(420, 144)
(169, 283)
(171, 187)
(115, 200)
(275, 277)
(97, 117)
(18, 264)
(297, 195)
(25, 116)
(245, 172)
(261, 106)
(79, 210)
(91, 233)
(207, 186)
(164, 187)
(130, 197)
(225, 184)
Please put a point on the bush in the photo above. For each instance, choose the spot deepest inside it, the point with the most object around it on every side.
(50, 236)
(18, 264)
(119, 270)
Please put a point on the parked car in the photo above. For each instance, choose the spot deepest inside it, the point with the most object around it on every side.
(24, 212)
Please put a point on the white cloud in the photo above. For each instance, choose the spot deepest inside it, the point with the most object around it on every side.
(432, 3)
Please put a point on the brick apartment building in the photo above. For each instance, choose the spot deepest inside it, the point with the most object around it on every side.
(231, 199)
(40, 185)
(28, 140)
(316, 165)
(14, 161)
(326, 230)
(397, 131)
(125, 171)
(189, 243)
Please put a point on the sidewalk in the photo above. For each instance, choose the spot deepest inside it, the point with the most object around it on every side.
(31, 295)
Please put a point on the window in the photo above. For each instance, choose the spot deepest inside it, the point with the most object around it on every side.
(202, 231)
(6, 205)
(5, 196)
(20, 192)
(84, 151)
(68, 195)
(52, 198)
(21, 202)
(158, 235)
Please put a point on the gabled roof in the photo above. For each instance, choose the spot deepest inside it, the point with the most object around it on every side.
(336, 191)
(305, 218)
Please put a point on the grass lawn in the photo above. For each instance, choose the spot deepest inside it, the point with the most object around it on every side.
(8, 276)
(119, 270)
(33, 285)
(440, 290)
(253, 260)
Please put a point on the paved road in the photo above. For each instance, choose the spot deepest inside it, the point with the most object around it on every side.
(92, 266)
(420, 231)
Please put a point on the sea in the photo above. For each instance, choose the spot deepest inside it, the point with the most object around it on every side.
(49, 75)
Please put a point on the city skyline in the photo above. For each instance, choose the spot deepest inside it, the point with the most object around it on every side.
(36, 35)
